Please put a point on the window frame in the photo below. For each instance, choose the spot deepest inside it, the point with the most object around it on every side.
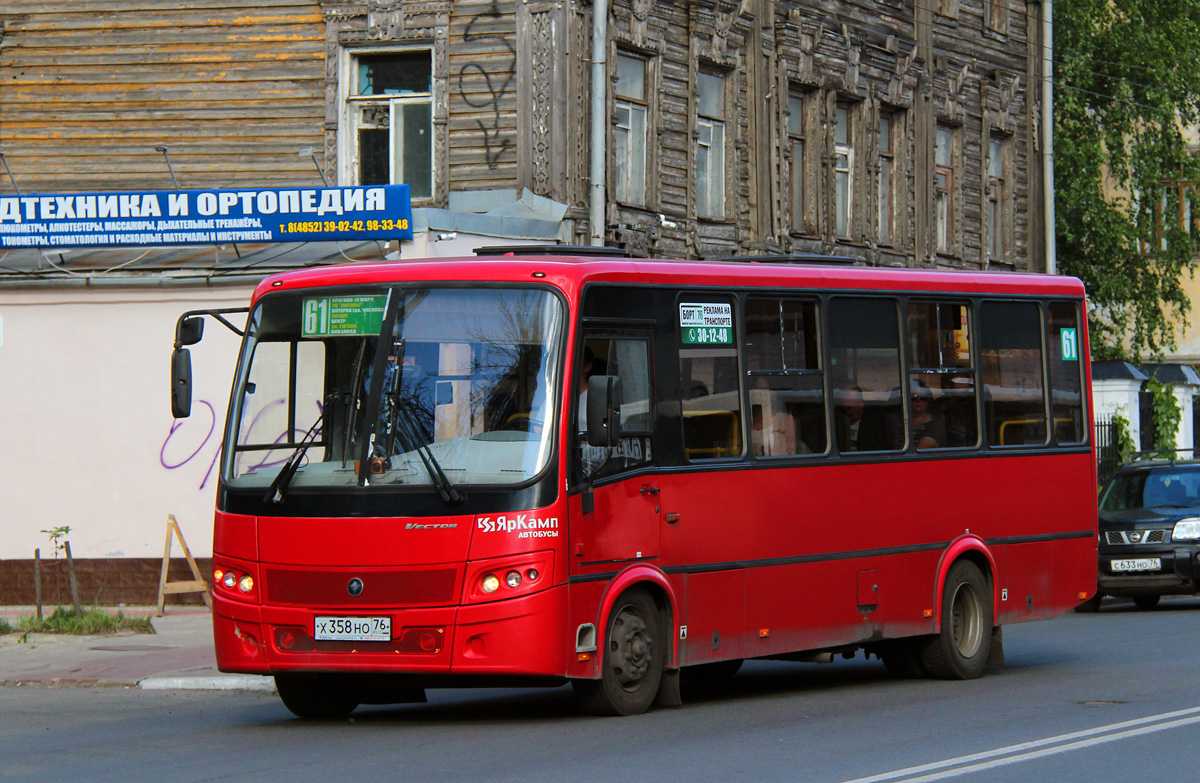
(945, 190)
(996, 222)
(634, 151)
(350, 118)
(843, 197)
(797, 155)
(710, 189)
(885, 213)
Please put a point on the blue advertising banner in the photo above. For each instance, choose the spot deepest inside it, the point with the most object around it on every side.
(188, 217)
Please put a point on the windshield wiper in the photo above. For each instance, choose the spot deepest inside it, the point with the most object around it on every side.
(276, 490)
(441, 482)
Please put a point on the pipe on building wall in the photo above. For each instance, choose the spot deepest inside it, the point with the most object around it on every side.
(1048, 132)
(599, 117)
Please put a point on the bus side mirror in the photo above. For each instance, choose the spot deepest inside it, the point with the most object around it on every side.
(604, 410)
(189, 331)
(181, 383)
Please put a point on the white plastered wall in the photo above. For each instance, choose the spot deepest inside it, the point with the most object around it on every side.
(88, 439)
(1118, 397)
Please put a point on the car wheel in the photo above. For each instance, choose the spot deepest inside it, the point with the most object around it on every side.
(1145, 601)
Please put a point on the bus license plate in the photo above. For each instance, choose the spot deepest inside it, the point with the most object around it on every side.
(1137, 564)
(352, 629)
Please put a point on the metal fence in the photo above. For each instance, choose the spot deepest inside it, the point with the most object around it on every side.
(1108, 453)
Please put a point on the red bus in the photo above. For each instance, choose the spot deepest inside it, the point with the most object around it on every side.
(605, 471)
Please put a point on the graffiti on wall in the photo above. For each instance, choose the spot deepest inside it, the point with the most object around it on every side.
(477, 30)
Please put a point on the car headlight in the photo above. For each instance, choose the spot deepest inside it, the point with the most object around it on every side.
(1186, 529)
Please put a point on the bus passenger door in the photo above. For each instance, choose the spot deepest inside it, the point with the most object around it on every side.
(624, 520)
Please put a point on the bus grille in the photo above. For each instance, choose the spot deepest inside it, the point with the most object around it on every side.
(426, 587)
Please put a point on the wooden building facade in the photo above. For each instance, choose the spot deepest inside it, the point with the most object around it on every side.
(901, 132)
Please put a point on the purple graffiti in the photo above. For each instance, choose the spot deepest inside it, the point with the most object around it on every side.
(181, 429)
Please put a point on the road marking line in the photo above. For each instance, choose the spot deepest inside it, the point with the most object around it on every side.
(1027, 751)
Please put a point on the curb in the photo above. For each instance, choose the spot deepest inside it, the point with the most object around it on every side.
(220, 683)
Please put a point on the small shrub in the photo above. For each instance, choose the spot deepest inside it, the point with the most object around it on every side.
(4, 626)
(93, 622)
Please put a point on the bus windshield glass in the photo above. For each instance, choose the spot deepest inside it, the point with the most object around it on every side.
(403, 387)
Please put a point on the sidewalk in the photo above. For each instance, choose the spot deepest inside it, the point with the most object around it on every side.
(178, 656)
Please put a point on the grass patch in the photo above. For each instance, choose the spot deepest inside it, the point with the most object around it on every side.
(93, 622)
(4, 626)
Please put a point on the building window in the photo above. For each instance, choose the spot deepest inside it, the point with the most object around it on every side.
(843, 135)
(629, 137)
(887, 175)
(390, 119)
(710, 152)
(1174, 212)
(795, 128)
(996, 194)
(996, 15)
(943, 188)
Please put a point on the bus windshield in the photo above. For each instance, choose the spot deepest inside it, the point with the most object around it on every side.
(403, 387)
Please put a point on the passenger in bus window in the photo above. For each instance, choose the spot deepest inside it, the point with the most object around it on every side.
(929, 428)
(773, 432)
(860, 427)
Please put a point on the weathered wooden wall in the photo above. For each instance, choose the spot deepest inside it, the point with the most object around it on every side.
(236, 89)
(233, 88)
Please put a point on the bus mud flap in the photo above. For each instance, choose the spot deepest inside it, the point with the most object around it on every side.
(996, 653)
(668, 690)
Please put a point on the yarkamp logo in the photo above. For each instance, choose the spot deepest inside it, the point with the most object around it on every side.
(523, 524)
(444, 526)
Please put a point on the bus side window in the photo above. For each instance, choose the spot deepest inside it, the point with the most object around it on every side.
(864, 341)
(1066, 373)
(941, 375)
(1013, 386)
(629, 360)
(787, 385)
(708, 377)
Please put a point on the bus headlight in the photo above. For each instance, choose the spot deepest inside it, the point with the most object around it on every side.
(229, 580)
(513, 578)
(1186, 529)
(246, 583)
(490, 583)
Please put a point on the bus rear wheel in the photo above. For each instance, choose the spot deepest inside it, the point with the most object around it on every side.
(960, 649)
(319, 697)
(632, 661)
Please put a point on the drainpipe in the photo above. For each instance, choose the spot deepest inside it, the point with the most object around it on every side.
(1048, 132)
(599, 115)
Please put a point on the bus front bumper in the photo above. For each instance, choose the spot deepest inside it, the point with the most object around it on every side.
(517, 637)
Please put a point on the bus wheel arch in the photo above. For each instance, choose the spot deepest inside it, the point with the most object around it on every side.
(961, 647)
(635, 648)
(631, 656)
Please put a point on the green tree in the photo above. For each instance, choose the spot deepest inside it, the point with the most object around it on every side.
(1127, 85)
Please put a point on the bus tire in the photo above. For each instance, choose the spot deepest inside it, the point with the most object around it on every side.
(632, 662)
(316, 697)
(960, 649)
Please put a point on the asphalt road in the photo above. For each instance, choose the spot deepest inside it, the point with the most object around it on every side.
(1108, 696)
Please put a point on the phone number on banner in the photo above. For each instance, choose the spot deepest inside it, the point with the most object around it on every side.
(335, 226)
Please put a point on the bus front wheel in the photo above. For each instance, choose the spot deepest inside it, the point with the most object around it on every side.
(316, 697)
(960, 649)
(632, 660)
